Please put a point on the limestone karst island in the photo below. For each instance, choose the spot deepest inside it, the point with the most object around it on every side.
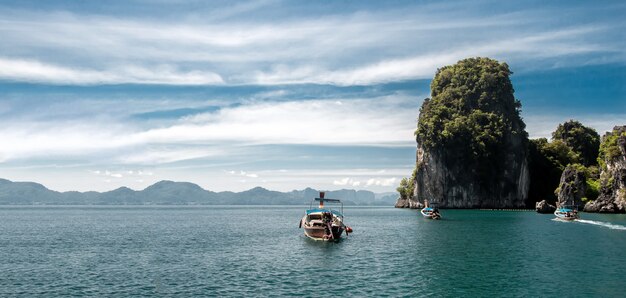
(473, 151)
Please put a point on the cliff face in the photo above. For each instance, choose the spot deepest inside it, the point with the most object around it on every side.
(572, 186)
(456, 183)
(472, 147)
(612, 198)
(408, 203)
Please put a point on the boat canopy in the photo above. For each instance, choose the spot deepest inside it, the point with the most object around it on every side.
(328, 200)
(316, 210)
(568, 208)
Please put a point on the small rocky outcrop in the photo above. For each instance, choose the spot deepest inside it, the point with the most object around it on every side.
(612, 198)
(408, 203)
(572, 186)
(544, 208)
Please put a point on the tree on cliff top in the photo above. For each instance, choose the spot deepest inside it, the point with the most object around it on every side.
(583, 140)
(472, 113)
(610, 147)
(471, 101)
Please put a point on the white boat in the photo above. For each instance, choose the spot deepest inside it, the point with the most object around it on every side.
(430, 212)
(567, 212)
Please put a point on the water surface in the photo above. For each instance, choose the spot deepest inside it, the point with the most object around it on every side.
(259, 251)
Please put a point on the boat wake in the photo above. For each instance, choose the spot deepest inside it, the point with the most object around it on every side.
(604, 224)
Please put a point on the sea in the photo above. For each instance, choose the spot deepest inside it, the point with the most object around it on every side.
(259, 251)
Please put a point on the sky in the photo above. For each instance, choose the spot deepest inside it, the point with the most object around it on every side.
(285, 95)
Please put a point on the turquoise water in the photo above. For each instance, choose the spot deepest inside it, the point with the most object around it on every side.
(259, 251)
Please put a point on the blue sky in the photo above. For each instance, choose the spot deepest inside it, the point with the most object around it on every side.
(280, 94)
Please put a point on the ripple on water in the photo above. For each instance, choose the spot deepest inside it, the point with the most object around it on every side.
(259, 251)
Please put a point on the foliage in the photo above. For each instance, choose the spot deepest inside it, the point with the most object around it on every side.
(592, 172)
(402, 188)
(560, 154)
(609, 148)
(472, 103)
(473, 116)
(585, 141)
(593, 189)
(547, 162)
(407, 186)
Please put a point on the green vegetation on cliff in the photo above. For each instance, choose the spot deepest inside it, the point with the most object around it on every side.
(572, 144)
(609, 148)
(407, 186)
(585, 141)
(473, 117)
(472, 104)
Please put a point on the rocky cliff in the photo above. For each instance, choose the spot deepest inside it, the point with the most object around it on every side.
(612, 198)
(544, 207)
(408, 203)
(572, 186)
(472, 147)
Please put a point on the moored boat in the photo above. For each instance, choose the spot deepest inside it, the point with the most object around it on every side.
(431, 212)
(323, 223)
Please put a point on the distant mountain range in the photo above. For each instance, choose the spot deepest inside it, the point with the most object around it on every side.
(179, 193)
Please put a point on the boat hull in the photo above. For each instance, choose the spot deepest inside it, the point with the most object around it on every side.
(565, 216)
(429, 214)
(569, 218)
(319, 233)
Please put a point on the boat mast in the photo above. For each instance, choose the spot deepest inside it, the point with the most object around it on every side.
(322, 199)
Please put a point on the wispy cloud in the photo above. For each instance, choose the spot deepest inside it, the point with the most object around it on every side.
(299, 122)
(243, 174)
(349, 48)
(315, 122)
(38, 72)
(371, 182)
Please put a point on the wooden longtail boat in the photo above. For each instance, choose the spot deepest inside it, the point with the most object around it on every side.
(324, 223)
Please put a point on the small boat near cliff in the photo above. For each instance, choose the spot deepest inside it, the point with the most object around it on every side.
(567, 212)
(324, 223)
(430, 211)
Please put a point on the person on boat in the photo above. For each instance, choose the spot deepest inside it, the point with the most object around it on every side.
(435, 213)
(327, 218)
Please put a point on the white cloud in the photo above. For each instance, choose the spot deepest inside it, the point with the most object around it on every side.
(542, 125)
(381, 181)
(243, 174)
(365, 122)
(345, 49)
(121, 174)
(376, 181)
(342, 182)
(35, 71)
(161, 155)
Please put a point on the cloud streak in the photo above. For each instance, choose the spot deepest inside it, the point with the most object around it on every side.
(213, 134)
(38, 72)
(349, 48)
